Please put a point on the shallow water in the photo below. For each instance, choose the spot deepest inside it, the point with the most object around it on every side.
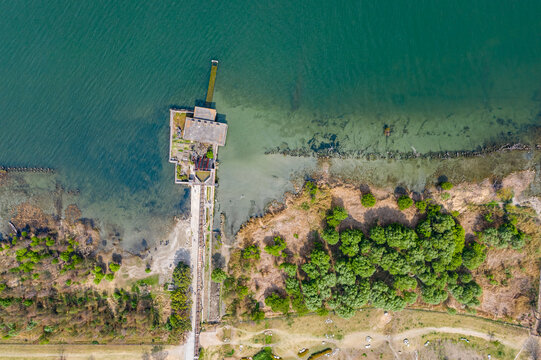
(86, 87)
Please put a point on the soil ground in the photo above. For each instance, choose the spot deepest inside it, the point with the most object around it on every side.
(457, 336)
(96, 352)
(509, 278)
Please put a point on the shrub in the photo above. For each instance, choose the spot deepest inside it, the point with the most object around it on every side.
(218, 275)
(336, 216)
(330, 235)
(49, 241)
(277, 303)
(278, 247)
(289, 269)
(473, 255)
(368, 200)
(147, 270)
(257, 315)
(251, 252)
(421, 206)
(114, 267)
(109, 277)
(446, 185)
(28, 302)
(404, 202)
(210, 153)
(445, 196)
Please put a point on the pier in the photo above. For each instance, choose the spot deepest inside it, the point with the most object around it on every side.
(195, 137)
(212, 80)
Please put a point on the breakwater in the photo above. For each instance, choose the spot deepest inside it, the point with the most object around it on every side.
(26, 169)
(336, 152)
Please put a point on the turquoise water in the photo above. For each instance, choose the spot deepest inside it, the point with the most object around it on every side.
(85, 88)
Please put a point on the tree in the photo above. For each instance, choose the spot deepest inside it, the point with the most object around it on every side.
(377, 234)
(336, 216)
(421, 206)
(433, 295)
(277, 248)
(409, 297)
(398, 236)
(404, 202)
(330, 235)
(368, 200)
(405, 283)
(114, 267)
(446, 185)
(321, 259)
(218, 275)
(277, 303)
(251, 252)
(350, 240)
(362, 266)
(473, 255)
(257, 315)
(345, 274)
(311, 296)
(289, 269)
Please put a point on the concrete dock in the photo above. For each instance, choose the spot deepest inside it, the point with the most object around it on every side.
(195, 137)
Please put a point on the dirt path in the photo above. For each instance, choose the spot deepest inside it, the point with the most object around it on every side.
(356, 339)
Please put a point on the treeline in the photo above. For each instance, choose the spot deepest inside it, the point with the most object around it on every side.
(48, 293)
(391, 266)
(179, 320)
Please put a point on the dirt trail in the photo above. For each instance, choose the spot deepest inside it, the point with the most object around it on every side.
(357, 339)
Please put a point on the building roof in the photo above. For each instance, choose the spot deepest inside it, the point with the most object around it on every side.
(205, 131)
(204, 113)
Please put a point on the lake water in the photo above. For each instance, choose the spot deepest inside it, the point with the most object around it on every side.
(86, 86)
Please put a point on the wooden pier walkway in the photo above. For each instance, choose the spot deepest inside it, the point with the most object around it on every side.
(200, 266)
(212, 80)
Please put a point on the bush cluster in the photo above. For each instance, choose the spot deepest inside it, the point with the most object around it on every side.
(404, 202)
(179, 320)
(368, 200)
(385, 268)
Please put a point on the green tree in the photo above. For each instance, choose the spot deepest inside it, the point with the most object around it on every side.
(218, 275)
(257, 314)
(350, 240)
(446, 185)
(405, 283)
(421, 206)
(473, 255)
(114, 267)
(277, 303)
(368, 200)
(345, 274)
(289, 268)
(404, 202)
(433, 295)
(336, 216)
(277, 248)
(330, 235)
(251, 252)
(362, 266)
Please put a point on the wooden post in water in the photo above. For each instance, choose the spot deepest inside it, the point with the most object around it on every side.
(212, 80)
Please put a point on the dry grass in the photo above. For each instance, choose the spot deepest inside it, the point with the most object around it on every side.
(515, 272)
